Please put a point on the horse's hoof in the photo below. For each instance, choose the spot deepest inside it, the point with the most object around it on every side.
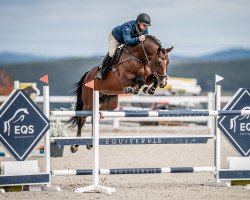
(89, 146)
(73, 148)
(136, 91)
(150, 92)
(128, 90)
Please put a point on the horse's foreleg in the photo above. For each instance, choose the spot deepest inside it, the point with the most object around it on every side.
(131, 89)
(140, 81)
(81, 121)
(151, 90)
(135, 89)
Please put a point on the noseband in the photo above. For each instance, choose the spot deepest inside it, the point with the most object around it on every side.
(156, 74)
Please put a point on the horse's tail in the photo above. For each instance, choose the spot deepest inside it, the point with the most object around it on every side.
(73, 121)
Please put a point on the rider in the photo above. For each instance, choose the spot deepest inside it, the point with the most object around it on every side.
(129, 33)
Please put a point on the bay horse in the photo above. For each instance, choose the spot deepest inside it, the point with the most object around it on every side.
(137, 64)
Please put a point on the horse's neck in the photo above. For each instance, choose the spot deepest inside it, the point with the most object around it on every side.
(149, 47)
(136, 51)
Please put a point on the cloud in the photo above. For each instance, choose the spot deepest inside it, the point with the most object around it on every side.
(62, 27)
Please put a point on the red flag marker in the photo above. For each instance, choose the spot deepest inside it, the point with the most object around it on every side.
(90, 84)
(45, 79)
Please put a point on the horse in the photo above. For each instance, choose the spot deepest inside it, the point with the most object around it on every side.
(137, 64)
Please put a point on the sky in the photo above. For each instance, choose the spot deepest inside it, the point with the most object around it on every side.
(57, 28)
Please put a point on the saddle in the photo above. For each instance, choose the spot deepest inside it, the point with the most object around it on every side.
(116, 57)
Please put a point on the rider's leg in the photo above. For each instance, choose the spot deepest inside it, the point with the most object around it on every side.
(113, 43)
(105, 64)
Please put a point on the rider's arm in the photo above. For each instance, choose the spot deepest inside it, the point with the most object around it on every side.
(146, 32)
(127, 36)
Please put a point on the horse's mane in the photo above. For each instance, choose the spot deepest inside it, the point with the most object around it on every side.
(154, 39)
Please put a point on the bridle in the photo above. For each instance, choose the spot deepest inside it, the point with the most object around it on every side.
(155, 73)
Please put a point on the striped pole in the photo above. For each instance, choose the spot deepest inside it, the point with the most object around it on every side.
(158, 113)
(134, 171)
(133, 140)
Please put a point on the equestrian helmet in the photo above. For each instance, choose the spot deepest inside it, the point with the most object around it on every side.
(144, 18)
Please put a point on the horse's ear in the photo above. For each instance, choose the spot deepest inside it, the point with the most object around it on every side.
(169, 49)
(159, 50)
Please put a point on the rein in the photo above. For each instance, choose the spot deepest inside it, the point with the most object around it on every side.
(156, 74)
(131, 57)
(145, 53)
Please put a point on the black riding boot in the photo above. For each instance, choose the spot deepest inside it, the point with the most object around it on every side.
(104, 66)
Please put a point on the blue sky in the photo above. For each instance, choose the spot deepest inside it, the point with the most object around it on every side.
(81, 27)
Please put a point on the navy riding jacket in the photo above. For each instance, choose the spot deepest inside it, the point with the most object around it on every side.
(127, 33)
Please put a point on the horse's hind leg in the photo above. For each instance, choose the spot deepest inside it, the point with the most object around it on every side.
(135, 89)
(81, 121)
(90, 146)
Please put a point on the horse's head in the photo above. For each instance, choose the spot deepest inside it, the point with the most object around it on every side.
(151, 51)
(159, 65)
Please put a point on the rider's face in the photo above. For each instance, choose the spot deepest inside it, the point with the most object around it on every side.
(143, 26)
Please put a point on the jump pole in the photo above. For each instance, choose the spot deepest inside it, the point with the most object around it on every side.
(115, 171)
(150, 113)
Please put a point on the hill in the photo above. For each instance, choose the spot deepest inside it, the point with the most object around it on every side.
(9, 57)
(227, 55)
(220, 56)
(236, 73)
(64, 73)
